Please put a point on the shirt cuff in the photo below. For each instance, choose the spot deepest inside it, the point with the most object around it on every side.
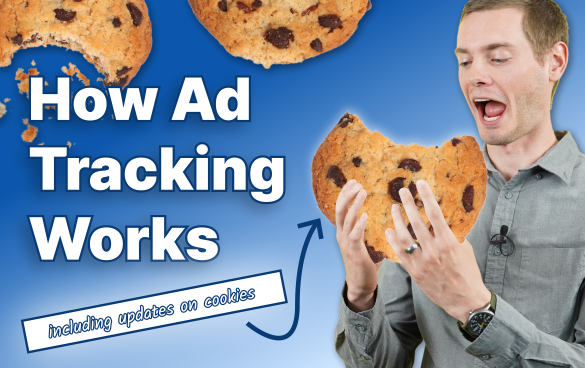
(508, 334)
(358, 327)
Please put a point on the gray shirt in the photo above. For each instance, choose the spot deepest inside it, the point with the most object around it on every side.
(540, 317)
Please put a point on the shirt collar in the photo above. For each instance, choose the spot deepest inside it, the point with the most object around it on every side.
(558, 160)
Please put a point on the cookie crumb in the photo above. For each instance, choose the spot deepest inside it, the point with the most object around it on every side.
(25, 121)
(2, 109)
(23, 86)
(69, 144)
(46, 83)
(33, 63)
(42, 144)
(54, 107)
(74, 71)
(30, 134)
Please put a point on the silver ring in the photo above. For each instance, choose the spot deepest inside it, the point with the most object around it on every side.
(412, 248)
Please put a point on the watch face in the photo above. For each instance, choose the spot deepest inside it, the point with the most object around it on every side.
(479, 322)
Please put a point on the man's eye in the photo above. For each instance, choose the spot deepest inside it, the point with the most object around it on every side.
(500, 61)
(464, 63)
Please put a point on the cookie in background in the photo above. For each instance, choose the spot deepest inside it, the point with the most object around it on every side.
(280, 31)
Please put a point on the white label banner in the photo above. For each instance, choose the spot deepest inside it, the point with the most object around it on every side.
(153, 311)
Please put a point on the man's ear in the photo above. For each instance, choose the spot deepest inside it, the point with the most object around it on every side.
(558, 57)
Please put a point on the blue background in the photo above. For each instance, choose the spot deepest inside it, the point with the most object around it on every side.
(398, 73)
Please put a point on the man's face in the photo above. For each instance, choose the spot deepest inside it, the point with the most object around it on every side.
(506, 88)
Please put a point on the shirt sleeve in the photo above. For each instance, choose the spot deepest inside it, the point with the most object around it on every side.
(385, 336)
(511, 340)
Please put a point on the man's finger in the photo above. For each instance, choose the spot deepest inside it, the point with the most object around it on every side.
(432, 208)
(414, 218)
(344, 199)
(352, 215)
(403, 236)
(356, 236)
(392, 239)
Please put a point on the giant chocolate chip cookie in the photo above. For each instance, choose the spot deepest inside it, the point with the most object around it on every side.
(114, 35)
(280, 31)
(456, 173)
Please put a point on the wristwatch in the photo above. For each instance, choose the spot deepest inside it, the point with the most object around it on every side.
(478, 320)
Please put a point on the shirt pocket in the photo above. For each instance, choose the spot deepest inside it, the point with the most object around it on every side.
(549, 283)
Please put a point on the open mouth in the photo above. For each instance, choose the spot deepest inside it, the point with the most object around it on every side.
(490, 110)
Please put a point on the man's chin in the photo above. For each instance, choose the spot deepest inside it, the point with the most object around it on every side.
(497, 139)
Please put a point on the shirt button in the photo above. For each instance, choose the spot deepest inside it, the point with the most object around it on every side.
(497, 251)
(537, 176)
(360, 328)
(508, 195)
(485, 357)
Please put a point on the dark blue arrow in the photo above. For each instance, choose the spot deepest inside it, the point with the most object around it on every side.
(315, 224)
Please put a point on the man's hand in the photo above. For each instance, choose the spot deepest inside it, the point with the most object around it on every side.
(361, 273)
(445, 270)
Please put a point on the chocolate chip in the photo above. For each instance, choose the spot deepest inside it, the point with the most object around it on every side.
(419, 204)
(330, 21)
(123, 71)
(256, 4)
(431, 230)
(447, 174)
(116, 22)
(17, 40)
(64, 15)
(33, 39)
(292, 11)
(455, 141)
(412, 189)
(135, 13)
(394, 187)
(375, 255)
(337, 176)
(118, 83)
(279, 37)
(222, 5)
(468, 198)
(316, 45)
(357, 161)
(243, 7)
(63, 42)
(310, 9)
(410, 164)
(346, 119)
(411, 231)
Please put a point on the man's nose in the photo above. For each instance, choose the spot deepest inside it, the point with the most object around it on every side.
(478, 76)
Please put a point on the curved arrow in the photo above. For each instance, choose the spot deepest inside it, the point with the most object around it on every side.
(315, 224)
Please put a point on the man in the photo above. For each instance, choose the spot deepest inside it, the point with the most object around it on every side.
(482, 303)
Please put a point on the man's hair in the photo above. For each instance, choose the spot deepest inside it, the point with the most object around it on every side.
(544, 23)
